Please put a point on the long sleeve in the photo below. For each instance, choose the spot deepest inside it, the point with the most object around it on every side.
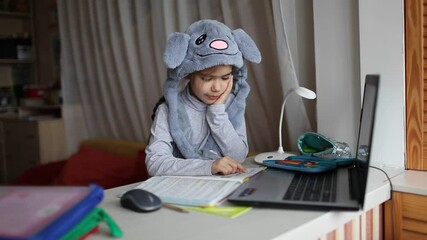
(232, 141)
(201, 123)
(159, 152)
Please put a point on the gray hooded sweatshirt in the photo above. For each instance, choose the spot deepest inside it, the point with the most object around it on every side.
(205, 120)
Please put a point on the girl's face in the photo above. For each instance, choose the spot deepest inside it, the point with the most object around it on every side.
(209, 84)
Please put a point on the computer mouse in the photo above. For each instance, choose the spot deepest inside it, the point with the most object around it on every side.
(140, 200)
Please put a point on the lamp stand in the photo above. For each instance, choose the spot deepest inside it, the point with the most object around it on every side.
(272, 156)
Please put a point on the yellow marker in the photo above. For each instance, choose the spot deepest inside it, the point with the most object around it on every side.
(225, 211)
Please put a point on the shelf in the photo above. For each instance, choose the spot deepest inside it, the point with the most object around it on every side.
(14, 14)
(40, 111)
(14, 61)
(8, 107)
(42, 107)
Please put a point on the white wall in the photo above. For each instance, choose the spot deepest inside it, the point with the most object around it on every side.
(354, 38)
(337, 69)
(382, 51)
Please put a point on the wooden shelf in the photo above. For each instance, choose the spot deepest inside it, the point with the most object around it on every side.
(43, 107)
(17, 23)
(8, 108)
(27, 143)
(14, 61)
(14, 14)
(35, 112)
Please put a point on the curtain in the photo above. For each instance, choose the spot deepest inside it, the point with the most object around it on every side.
(112, 69)
(295, 47)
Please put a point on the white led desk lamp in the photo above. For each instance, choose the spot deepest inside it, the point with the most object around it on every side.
(280, 154)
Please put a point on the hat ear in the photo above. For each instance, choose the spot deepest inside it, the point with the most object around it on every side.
(176, 49)
(247, 46)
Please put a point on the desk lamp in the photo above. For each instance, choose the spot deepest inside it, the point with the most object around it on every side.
(280, 154)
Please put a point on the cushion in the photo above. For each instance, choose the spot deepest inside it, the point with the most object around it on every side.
(43, 174)
(90, 165)
(115, 146)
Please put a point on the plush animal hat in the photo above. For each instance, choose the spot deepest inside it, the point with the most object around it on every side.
(205, 44)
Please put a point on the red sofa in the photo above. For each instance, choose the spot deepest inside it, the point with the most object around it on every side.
(106, 162)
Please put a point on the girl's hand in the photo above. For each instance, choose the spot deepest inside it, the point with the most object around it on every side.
(226, 165)
(224, 95)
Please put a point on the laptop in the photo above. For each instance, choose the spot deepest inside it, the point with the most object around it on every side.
(340, 189)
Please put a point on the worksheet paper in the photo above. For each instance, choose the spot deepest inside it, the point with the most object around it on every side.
(196, 190)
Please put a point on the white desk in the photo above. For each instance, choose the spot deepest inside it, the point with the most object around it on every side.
(411, 181)
(257, 224)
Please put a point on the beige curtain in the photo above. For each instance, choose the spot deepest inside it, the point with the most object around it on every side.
(112, 68)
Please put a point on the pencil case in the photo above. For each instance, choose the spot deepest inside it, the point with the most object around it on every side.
(301, 165)
(69, 206)
(318, 145)
(309, 163)
(318, 154)
(90, 222)
(74, 215)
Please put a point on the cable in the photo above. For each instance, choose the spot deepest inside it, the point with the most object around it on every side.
(388, 178)
(391, 199)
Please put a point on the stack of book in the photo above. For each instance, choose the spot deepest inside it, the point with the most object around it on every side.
(54, 212)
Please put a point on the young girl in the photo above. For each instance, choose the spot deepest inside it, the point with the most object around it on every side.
(200, 130)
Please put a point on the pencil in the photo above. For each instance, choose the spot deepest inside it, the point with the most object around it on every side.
(175, 208)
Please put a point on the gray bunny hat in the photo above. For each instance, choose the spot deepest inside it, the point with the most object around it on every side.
(205, 44)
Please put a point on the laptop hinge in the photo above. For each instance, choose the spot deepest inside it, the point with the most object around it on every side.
(354, 183)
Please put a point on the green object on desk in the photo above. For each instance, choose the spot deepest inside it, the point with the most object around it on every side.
(225, 211)
(92, 220)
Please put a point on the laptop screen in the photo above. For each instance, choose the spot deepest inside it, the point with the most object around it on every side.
(367, 120)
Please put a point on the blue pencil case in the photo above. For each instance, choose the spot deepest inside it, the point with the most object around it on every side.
(36, 212)
(306, 163)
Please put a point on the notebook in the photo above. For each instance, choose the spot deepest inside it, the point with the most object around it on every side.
(340, 189)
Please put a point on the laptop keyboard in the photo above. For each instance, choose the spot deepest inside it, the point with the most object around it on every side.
(319, 187)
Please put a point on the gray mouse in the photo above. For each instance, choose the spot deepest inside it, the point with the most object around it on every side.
(140, 200)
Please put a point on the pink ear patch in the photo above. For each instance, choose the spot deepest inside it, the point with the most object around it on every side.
(219, 44)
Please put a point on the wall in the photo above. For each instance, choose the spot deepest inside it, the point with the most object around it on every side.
(337, 69)
(354, 38)
(382, 51)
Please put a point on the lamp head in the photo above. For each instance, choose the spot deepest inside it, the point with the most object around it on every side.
(305, 92)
